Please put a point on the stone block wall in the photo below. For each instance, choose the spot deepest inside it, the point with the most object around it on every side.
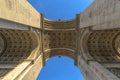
(102, 14)
(19, 11)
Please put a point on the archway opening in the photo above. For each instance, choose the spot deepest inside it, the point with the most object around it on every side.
(60, 68)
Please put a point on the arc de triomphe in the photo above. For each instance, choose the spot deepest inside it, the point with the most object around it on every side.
(27, 40)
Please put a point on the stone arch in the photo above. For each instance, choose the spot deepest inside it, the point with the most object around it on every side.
(60, 38)
(84, 34)
(100, 45)
(103, 45)
(17, 46)
(60, 24)
(59, 52)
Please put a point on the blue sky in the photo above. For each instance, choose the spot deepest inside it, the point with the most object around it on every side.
(60, 68)
(60, 9)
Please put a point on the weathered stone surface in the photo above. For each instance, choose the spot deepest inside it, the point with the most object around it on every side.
(95, 50)
(19, 11)
(101, 14)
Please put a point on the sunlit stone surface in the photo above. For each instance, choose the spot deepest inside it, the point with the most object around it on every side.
(27, 40)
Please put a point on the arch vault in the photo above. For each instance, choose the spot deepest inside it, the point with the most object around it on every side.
(27, 40)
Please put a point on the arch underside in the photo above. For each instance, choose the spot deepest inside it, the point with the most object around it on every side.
(60, 38)
(60, 24)
(59, 52)
(93, 35)
(16, 46)
(102, 46)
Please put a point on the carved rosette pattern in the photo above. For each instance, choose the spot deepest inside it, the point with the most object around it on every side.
(59, 38)
(103, 46)
(19, 45)
(15, 47)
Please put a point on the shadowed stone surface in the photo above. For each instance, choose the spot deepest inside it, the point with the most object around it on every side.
(27, 40)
